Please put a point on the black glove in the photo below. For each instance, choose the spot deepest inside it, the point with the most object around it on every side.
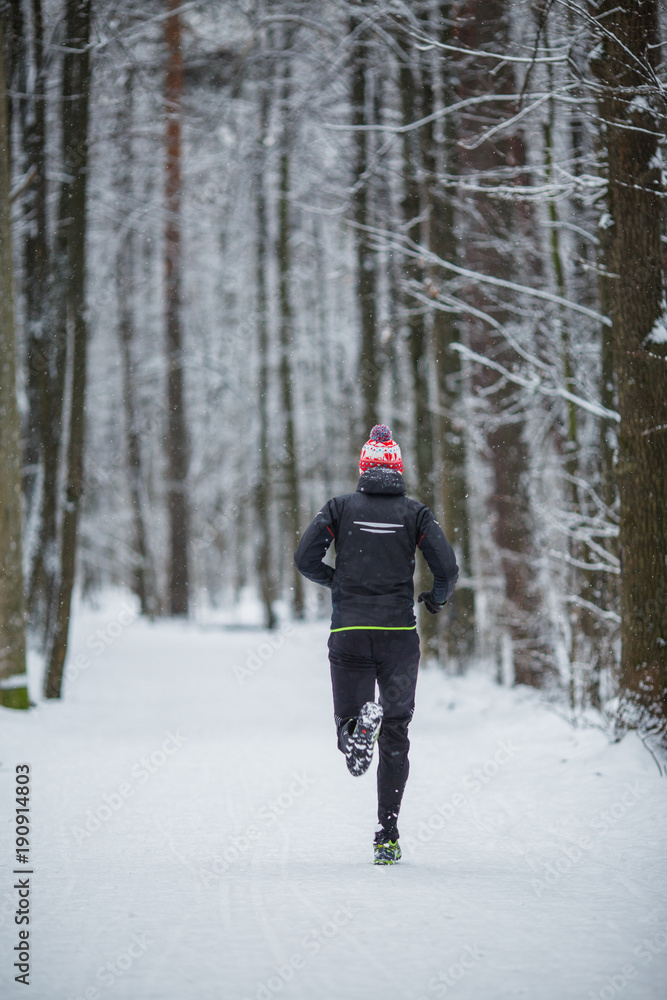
(431, 606)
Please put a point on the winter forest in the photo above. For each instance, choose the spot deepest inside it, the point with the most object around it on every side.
(236, 235)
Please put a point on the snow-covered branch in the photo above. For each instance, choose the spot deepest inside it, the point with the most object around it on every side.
(535, 384)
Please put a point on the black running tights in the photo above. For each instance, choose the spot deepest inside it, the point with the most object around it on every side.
(358, 659)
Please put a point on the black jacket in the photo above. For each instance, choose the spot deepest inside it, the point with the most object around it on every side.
(376, 530)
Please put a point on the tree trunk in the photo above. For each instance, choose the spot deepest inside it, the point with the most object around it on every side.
(177, 441)
(369, 370)
(416, 320)
(633, 109)
(264, 557)
(293, 486)
(76, 90)
(567, 434)
(457, 628)
(35, 270)
(143, 583)
(413, 276)
(14, 56)
(48, 280)
(393, 333)
(13, 680)
(606, 586)
(493, 225)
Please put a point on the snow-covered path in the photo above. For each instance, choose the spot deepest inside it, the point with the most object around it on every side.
(197, 837)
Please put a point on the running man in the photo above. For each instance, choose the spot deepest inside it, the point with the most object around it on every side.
(376, 531)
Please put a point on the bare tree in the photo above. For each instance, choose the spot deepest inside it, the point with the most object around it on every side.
(76, 92)
(286, 310)
(457, 629)
(263, 492)
(632, 105)
(177, 438)
(143, 575)
(13, 680)
(493, 231)
(366, 259)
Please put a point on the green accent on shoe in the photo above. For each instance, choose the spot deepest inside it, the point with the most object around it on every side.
(376, 628)
(387, 854)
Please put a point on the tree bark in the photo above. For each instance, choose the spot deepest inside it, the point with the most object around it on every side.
(263, 493)
(143, 581)
(457, 628)
(293, 486)
(177, 438)
(632, 106)
(13, 680)
(48, 277)
(35, 269)
(14, 56)
(495, 225)
(76, 91)
(414, 225)
(413, 276)
(369, 370)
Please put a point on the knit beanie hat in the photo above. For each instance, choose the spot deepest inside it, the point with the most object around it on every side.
(380, 451)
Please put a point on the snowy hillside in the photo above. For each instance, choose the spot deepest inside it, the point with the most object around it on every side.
(196, 835)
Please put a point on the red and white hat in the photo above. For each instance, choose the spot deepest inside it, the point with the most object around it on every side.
(380, 451)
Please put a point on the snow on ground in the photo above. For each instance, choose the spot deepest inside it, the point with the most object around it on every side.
(196, 835)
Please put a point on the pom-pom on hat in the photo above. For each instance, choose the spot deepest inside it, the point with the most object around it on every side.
(380, 451)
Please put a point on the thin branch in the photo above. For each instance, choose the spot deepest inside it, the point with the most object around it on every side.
(441, 113)
(594, 609)
(23, 184)
(415, 250)
(595, 22)
(536, 385)
(579, 564)
(515, 118)
(451, 304)
(500, 56)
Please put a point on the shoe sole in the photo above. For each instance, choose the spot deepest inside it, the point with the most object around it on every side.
(359, 753)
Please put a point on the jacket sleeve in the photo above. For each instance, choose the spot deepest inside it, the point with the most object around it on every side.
(314, 545)
(439, 555)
